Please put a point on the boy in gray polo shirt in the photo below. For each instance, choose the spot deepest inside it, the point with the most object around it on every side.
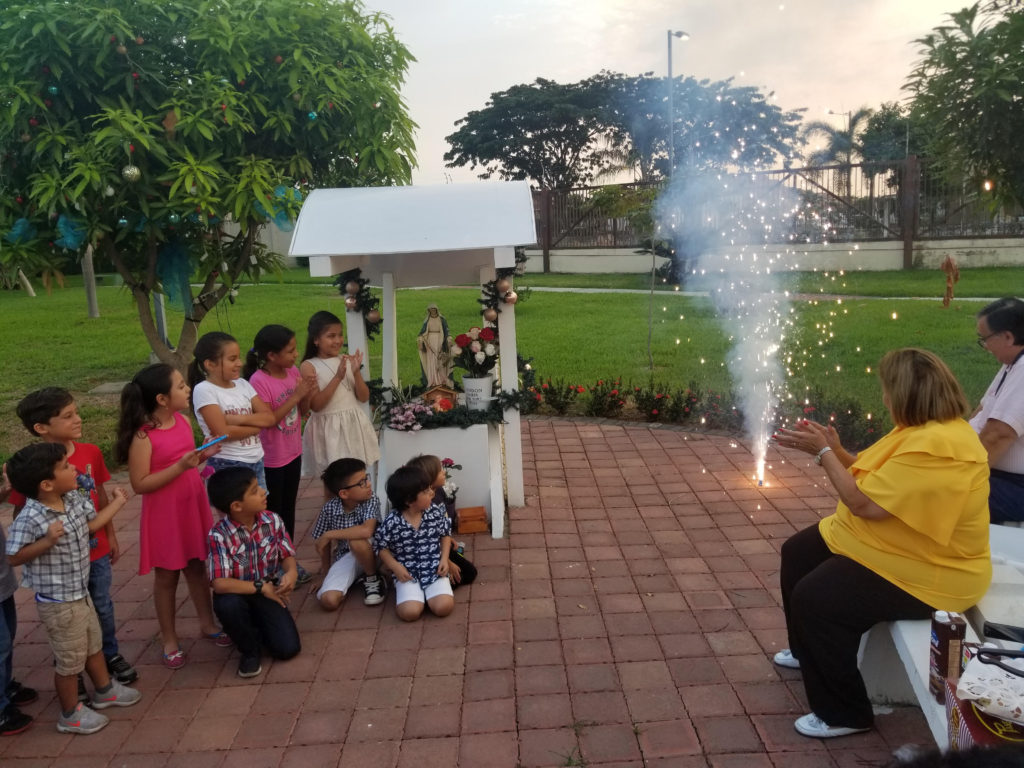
(50, 537)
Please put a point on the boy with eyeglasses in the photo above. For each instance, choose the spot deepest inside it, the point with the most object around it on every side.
(348, 521)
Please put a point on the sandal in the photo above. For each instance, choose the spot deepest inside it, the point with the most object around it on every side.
(175, 660)
(220, 639)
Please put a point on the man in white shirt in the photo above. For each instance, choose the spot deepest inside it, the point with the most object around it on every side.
(999, 419)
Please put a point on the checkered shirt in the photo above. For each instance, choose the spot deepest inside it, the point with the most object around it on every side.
(418, 549)
(333, 517)
(61, 572)
(235, 552)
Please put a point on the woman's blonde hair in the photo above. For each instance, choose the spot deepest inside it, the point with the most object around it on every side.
(920, 388)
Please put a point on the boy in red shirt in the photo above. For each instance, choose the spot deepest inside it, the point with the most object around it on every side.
(51, 414)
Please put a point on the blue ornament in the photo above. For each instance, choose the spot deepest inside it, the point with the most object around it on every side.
(312, 116)
(122, 222)
(173, 218)
(53, 90)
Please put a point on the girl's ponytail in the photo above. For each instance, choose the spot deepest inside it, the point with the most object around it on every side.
(269, 338)
(138, 401)
(209, 347)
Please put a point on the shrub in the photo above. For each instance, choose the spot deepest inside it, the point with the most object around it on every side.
(606, 399)
(559, 396)
(651, 402)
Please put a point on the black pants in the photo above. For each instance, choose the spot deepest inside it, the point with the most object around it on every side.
(251, 620)
(282, 488)
(830, 601)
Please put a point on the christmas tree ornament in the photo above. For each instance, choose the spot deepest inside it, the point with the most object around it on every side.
(511, 297)
(131, 173)
(122, 222)
(373, 316)
(490, 314)
(53, 90)
(173, 218)
(123, 50)
(350, 303)
(503, 285)
(352, 287)
(312, 116)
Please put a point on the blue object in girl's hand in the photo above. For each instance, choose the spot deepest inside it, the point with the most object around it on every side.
(215, 440)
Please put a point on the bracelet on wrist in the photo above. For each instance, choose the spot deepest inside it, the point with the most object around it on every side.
(821, 455)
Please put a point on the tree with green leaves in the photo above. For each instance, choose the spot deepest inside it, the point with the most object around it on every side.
(167, 133)
(543, 131)
(966, 86)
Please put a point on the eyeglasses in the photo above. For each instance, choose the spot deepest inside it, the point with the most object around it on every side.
(983, 340)
(363, 482)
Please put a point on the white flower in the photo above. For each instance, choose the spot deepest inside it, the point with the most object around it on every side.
(490, 350)
(475, 346)
(456, 350)
(473, 333)
(480, 357)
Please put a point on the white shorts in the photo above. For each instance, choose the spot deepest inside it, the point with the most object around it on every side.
(341, 575)
(411, 591)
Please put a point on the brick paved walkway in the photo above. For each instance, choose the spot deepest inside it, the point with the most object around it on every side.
(627, 620)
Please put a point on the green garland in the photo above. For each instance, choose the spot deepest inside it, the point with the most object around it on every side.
(366, 302)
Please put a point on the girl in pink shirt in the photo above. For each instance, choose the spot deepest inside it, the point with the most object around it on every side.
(270, 368)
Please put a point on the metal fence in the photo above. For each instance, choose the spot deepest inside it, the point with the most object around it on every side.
(904, 200)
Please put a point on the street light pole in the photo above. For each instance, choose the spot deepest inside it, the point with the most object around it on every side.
(671, 106)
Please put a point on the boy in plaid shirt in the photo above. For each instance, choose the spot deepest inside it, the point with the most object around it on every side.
(248, 548)
(349, 520)
(50, 537)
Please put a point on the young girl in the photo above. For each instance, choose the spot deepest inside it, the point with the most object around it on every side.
(338, 428)
(414, 542)
(156, 440)
(227, 405)
(460, 570)
(270, 368)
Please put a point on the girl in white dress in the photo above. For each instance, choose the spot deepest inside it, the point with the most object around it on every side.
(338, 427)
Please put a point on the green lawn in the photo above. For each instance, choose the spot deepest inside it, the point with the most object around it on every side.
(578, 337)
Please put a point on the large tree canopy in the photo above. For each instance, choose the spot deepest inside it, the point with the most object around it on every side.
(166, 133)
(566, 135)
(966, 87)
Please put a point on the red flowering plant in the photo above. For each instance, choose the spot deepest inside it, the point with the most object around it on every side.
(475, 351)
(651, 402)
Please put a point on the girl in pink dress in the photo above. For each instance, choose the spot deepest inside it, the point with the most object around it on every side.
(156, 440)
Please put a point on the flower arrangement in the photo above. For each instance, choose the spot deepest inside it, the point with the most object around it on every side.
(407, 416)
(475, 352)
(449, 487)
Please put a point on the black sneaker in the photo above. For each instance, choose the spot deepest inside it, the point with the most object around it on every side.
(20, 695)
(249, 666)
(83, 695)
(374, 590)
(121, 670)
(13, 720)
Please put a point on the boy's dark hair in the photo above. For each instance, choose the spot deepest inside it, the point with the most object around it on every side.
(339, 474)
(405, 485)
(228, 485)
(42, 405)
(428, 463)
(29, 467)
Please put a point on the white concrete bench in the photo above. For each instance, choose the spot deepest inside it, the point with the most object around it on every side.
(895, 655)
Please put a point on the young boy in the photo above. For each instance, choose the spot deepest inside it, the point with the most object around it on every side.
(247, 549)
(414, 542)
(350, 519)
(50, 537)
(12, 693)
(52, 415)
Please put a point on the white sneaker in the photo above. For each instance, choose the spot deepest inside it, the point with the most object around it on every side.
(785, 658)
(813, 726)
(82, 720)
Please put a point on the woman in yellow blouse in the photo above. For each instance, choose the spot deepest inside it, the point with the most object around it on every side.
(909, 536)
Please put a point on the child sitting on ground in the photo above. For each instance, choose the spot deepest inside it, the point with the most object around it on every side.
(414, 542)
(51, 539)
(252, 608)
(349, 519)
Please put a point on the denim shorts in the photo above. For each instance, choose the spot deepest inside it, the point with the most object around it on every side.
(216, 462)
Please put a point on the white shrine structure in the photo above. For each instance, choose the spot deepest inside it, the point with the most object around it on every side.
(402, 237)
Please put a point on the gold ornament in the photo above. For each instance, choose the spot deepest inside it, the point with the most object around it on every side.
(503, 285)
(350, 303)
(373, 317)
(511, 297)
(351, 287)
(131, 173)
(490, 314)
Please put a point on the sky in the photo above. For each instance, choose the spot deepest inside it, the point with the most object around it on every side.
(818, 54)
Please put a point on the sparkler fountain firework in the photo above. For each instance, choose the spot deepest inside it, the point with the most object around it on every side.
(723, 225)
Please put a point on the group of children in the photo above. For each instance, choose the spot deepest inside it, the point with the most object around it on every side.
(63, 534)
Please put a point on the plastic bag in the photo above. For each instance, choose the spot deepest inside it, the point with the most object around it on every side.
(994, 681)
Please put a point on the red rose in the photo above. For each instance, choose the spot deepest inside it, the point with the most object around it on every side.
(486, 334)
(654, 412)
(614, 392)
(462, 340)
(581, 389)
